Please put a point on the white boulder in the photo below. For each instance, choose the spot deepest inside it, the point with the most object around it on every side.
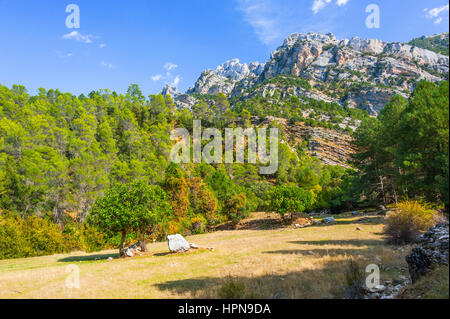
(177, 243)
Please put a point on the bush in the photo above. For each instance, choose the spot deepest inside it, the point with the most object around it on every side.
(13, 243)
(72, 237)
(232, 289)
(408, 221)
(290, 199)
(92, 239)
(354, 277)
(29, 237)
(198, 224)
(236, 208)
(202, 200)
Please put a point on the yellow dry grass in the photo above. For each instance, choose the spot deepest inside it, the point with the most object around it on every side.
(277, 263)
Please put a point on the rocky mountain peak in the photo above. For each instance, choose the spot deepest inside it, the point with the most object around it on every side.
(311, 36)
(233, 69)
(170, 90)
(355, 72)
(374, 46)
(225, 77)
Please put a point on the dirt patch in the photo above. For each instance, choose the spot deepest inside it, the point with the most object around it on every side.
(256, 221)
(266, 221)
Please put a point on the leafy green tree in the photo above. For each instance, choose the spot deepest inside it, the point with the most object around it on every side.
(129, 207)
(288, 199)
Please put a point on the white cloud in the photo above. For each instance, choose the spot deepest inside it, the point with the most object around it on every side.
(262, 17)
(435, 13)
(107, 65)
(319, 5)
(168, 78)
(273, 20)
(75, 35)
(156, 77)
(63, 55)
(341, 3)
(170, 66)
(102, 45)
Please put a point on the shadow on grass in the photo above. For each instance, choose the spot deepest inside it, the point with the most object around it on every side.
(163, 254)
(317, 252)
(327, 281)
(349, 242)
(360, 247)
(360, 221)
(88, 258)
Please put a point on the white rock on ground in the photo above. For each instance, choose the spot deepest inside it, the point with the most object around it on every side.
(177, 243)
(129, 253)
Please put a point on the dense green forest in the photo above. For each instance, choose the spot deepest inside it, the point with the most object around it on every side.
(88, 172)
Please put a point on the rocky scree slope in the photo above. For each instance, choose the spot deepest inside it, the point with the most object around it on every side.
(330, 146)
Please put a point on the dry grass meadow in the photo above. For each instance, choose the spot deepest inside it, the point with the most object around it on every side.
(270, 263)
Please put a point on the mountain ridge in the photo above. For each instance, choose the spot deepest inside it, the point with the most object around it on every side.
(356, 72)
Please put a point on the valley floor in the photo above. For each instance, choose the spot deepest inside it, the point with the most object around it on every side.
(273, 263)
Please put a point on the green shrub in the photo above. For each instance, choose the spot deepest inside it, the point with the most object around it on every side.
(232, 289)
(290, 199)
(92, 239)
(198, 224)
(72, 237)
(29, 237)
(13, 243)
(408, 221)
(236, 208)
(45, 237)
(354, 277)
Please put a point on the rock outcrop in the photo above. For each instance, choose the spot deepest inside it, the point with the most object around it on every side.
(332, 147)
(432, 250)
(226, 76)
(170, 90)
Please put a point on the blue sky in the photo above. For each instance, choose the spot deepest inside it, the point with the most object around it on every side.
(153, 42)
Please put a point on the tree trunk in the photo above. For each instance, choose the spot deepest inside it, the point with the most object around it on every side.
(395, 196)
(142, 244)
(122, 245)
(382, 190)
